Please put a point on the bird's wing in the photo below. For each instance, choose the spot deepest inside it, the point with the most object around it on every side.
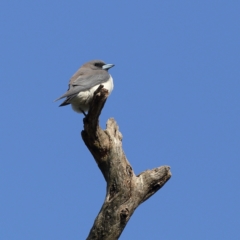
(84, 82)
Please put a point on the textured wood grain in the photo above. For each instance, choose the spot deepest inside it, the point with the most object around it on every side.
(125, 190)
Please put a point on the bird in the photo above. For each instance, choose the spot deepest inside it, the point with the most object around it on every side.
(83, 84)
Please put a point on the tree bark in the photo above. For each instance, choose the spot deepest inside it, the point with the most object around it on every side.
(125, 190)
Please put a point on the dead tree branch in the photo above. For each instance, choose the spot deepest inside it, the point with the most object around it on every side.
(125, 190)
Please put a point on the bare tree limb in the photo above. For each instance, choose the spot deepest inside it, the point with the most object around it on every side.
(125, 190)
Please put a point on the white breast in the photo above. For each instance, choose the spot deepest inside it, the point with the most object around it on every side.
(82, 100)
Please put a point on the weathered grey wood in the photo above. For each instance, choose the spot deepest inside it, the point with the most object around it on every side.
(125, 190)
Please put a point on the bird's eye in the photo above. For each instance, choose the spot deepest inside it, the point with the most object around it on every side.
(97, 65)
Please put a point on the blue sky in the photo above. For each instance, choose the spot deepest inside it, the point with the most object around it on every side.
(176, 100)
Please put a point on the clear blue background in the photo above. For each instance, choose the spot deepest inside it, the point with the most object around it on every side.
(176, 100)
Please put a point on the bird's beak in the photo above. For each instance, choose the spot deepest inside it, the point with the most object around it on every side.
(107, 66)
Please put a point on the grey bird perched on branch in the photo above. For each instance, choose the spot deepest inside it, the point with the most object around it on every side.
(84, 82)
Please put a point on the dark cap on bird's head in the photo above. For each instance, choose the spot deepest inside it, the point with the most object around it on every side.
(97, 64)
